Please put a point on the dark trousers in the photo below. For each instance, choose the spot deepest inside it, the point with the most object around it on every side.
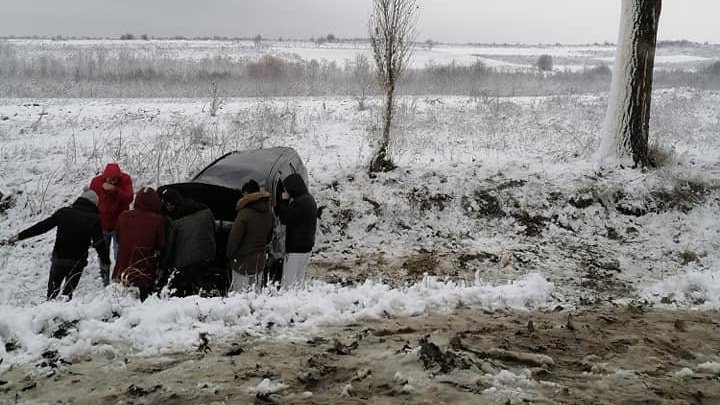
(67, 271)
(197, 278)
(144, 293)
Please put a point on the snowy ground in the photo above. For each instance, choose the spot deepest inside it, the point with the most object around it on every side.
(497, 204)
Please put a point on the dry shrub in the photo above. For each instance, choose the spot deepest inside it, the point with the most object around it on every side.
(688, 256)
(660, 155)
(545, 63)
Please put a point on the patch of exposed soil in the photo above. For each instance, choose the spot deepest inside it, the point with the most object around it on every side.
(421, 199)
(482, 204)
(534, 224)
(400, 270)
(423, 263)
(598, 273)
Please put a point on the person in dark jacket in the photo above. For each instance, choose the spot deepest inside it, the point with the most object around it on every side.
(115, 193)
(249, 237)
(298, 211)
(191, 246)
(140, 233)
(175, 206)
(78, 228)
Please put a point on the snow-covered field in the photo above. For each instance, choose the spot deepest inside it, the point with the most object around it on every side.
(497, 204)
(503, 57)
(480, 182)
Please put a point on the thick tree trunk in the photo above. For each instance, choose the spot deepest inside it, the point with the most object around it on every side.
(627, 123)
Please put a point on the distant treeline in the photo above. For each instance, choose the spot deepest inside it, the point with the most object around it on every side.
(329, 38)
(97, 72)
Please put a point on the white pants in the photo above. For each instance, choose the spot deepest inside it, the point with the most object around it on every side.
(243, 282)
(294, 270)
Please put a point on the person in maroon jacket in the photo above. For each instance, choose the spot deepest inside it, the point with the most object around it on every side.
(140, 234)
(115, 193)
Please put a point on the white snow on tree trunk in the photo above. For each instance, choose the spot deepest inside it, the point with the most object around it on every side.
(620, 92)
(624, 94)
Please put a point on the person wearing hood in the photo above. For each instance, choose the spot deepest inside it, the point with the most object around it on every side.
(298, 212)
(140, 234)
(115, 193)
(191, 245)
(249, 237)
(175, 206)
(78, 228)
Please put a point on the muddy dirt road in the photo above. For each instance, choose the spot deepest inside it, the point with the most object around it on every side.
(624, 355)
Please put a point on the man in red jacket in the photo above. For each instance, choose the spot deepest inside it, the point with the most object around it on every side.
(115, 193)
(140, 233)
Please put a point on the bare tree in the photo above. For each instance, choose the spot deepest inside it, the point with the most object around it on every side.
(362, 76)
(258, 41)
(216, 101)
(627, 123)
(392, 33)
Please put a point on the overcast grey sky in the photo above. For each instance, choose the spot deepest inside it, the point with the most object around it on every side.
(528, 21)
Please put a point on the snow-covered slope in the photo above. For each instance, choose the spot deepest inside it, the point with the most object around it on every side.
(496, 199)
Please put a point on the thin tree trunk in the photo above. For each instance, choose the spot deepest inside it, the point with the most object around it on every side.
(389, 100)
(382, 162)
(628, 118)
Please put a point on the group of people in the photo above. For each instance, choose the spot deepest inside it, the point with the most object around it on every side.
(252, 231)
(165, 235)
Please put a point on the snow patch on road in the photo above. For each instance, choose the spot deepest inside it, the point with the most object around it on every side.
(157, 326)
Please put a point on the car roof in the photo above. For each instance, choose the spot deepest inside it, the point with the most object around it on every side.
(232, 170)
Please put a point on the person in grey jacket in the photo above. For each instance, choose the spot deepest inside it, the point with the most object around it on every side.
(249, 237)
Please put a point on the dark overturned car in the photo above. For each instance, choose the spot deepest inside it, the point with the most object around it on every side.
(219, 187)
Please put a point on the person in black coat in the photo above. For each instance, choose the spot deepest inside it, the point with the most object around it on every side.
(298, 211)
(78, 228)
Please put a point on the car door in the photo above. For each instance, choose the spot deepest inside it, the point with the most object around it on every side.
(277, 248)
